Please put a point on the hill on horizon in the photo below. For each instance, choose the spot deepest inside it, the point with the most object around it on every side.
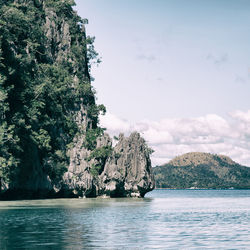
(202, 170)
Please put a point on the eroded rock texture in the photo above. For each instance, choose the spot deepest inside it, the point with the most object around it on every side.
(127, 172)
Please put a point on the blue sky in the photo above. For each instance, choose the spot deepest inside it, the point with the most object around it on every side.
(172, 59)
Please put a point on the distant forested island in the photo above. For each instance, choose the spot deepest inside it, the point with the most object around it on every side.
(202, 170)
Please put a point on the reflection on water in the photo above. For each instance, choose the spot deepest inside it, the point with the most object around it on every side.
(68, 223)
(175, 219)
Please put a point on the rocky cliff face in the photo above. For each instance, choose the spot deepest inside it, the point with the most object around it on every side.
(62, 35)
(126, 172)
(101, 170)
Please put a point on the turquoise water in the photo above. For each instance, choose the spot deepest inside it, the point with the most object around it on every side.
(165, 219)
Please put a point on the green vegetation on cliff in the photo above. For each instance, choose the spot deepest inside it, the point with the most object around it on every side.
(43, 84)
(202, 170)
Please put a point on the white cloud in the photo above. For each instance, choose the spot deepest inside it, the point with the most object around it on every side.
(115, 124)
(172, 137)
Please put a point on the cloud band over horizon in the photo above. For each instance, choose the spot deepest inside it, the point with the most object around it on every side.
(171, 137)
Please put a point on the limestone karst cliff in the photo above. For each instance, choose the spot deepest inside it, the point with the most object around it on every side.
(50, 142)
(126, 172)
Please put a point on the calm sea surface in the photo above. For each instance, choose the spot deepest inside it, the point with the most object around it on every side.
(165, 219)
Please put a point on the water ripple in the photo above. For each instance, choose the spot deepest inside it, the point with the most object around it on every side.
(166, 219)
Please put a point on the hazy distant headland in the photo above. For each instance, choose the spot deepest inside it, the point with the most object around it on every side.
(202, 170)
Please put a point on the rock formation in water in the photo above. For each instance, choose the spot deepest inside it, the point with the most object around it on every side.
(50, 142)
(125, 172)
(202, 170)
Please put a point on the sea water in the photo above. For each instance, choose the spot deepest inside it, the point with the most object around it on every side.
(164, 219)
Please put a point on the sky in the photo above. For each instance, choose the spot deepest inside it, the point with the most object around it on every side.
(177, 71)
